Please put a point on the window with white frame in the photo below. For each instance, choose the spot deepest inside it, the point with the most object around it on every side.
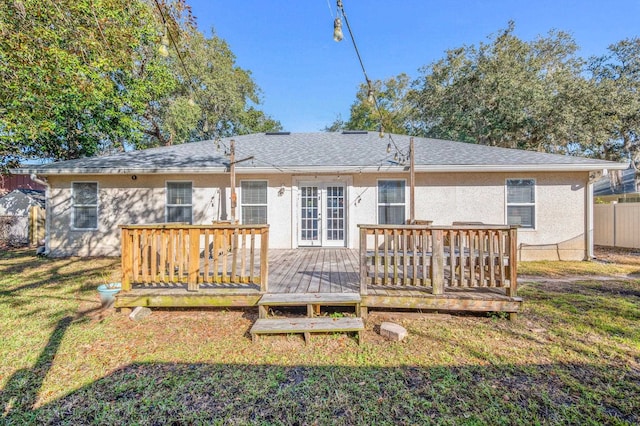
(179, 205)
(84, 196)
(391, 202)
(253, 198)
(521, 202)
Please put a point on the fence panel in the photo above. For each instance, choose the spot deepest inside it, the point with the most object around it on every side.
(617, 225)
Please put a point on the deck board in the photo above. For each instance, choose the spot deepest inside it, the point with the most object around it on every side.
(314, 270)
(320, 271)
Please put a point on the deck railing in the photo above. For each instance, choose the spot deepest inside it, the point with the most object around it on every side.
(439, 257)
(194, 254)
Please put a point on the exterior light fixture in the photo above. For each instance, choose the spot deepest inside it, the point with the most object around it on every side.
(163, 51)
(337, 30)
(370, 97)
(164, 44)
(389, 147)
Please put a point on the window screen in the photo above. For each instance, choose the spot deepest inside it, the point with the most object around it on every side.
(254, 202)
(179, 202)
(391, 202)
(85, 205)
(521, 202)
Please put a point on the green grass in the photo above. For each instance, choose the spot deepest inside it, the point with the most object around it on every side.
(572, 357)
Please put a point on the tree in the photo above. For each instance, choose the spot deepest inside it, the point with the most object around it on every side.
(393, 109)
(509, 93)
(66, 68)
(211, 97)
(616, 80)
(536, 95)
(83, 77)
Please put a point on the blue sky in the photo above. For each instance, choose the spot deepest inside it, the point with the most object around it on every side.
(307, 79)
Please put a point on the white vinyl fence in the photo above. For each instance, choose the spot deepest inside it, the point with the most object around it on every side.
(617, 225)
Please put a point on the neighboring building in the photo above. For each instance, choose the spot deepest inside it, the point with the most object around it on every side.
(14, 214)
(622, 186)
(313, 189)
(10, 182)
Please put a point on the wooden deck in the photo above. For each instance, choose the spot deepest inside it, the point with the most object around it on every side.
(318, 270)
(314, 270)
(448, 268)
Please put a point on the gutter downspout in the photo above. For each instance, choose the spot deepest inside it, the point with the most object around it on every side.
(47, 210)
(588, 217)
(589, 220)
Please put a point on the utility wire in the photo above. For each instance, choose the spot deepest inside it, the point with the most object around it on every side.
(340, 6)
(175, 45)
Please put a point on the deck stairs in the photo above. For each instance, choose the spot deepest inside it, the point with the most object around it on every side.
(314, 322)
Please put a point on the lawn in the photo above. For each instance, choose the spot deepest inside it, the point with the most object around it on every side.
(572, 357)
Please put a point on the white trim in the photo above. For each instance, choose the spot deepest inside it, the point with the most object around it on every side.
(406, 197)
(322, 181)
(73, 206)
(266, 205)
(166, 198)
(343, 170)
(534, 204)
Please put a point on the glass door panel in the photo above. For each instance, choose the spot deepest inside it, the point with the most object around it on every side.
(334, 215)
(309, 215)
(322, 210)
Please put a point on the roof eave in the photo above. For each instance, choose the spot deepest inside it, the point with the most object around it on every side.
(383, 168)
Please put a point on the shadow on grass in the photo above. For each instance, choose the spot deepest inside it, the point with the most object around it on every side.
(54, 271)
(21, 390)
(175, 393)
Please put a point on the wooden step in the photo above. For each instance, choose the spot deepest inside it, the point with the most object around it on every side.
(306, 326)
(300, 299)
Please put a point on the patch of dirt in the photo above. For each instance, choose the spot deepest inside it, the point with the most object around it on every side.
(617, 255)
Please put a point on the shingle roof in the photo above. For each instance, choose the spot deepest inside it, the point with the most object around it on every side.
(626, 182)
(322, 151)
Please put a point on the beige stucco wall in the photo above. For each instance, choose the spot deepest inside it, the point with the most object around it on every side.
(123, 200)
(441, 197)
(445, 198)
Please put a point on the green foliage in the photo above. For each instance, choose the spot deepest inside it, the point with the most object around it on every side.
(616, 77)
(212, 96)
(394, 108)
(507, 92)
(66, 68)
(84, 77)
(538, 95)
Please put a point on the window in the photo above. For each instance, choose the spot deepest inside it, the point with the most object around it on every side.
(179, 208)
(85, 205)
(391, 202)
(254, 202)
(521, 207)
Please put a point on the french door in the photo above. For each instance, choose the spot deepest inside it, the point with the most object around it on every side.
(322, 215)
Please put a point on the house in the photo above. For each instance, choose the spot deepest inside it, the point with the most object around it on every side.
(16, 208)
(314, 189)
(622, 186)
(10, 182)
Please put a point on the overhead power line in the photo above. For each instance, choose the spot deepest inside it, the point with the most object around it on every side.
(370, 92)
(174, 44)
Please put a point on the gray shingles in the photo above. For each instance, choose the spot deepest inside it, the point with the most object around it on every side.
(309, 151)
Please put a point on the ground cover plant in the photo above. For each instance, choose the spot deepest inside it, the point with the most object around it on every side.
(572, 357)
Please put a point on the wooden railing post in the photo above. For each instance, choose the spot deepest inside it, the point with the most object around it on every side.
(513, 255)
(437, 262)
(194, 259)
(126, 259)
(264, 260)
(363, 260)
